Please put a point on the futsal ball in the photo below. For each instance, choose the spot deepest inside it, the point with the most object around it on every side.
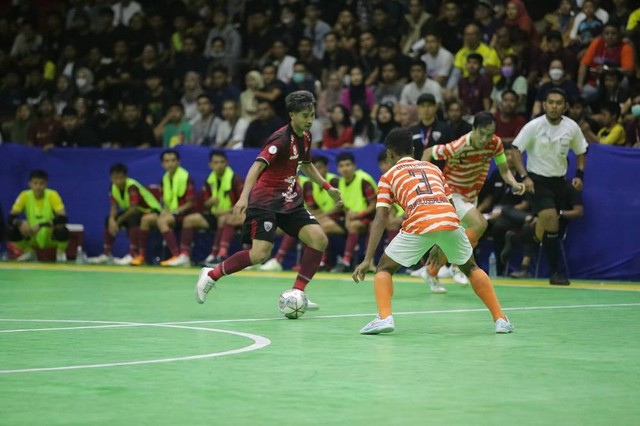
(293, 303)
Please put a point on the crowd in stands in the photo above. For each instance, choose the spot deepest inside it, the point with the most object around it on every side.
(139, 74)
(100, 73)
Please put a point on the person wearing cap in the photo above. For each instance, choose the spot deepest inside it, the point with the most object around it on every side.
(74, 134)
(483, 16)
(429, 131)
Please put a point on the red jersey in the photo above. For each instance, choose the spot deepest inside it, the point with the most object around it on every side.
(277, 188)
(420, 189)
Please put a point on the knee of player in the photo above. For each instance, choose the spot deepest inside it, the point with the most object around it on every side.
(60, 233)
(320, 242)
(259, 255)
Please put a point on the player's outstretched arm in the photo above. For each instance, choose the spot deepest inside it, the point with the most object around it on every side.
(507, 176)
(377, 229)
(310, 170)
(252, 177)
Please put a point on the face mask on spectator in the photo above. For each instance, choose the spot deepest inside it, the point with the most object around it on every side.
(81, 81)
(217, 55)
(298, 77)
(556, 74)
(635, 110)
(507, 71)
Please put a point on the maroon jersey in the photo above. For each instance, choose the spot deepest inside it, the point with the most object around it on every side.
(135, 198)
(277, 188)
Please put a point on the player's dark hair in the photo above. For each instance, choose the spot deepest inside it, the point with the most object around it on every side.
(169, 151)
(400, 141)
(320, 159)
(475, 57)
(38, 174)
(483, 119)
(509, 92)
(382, 156)
(217, 152)
(118, 168)
(419, 63)
(345, 156)
(556, 91)
(299, 101)
(612, 107)
(205, 96)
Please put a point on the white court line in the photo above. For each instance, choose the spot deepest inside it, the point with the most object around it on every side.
(259, 342)
(116, 324)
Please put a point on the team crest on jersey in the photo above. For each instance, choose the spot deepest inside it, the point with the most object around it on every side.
(268, 226)
(273, 149)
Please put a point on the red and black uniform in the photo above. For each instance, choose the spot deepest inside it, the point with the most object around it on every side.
(276, 199)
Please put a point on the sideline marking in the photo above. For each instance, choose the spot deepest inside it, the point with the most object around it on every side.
(259, 342)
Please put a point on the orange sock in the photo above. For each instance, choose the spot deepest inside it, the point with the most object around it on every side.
(473, 236)
(383, 287)
(484, 289)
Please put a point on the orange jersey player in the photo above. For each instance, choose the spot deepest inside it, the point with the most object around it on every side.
(466, 169)
(420, 188)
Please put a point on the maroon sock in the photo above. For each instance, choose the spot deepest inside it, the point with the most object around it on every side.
(108, 242)
(172, 244)
(144, 236)
(288, 242)
(216, 242)
(186, 239)
(352, 242)
(134, 238)
(235, 263)
(228, 231)
(309, 265)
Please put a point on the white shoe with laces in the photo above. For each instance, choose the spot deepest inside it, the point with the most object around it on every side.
(435, 286)
(419, 272)
(444, 272)
(458, 276)
(503, 326)
(179, 260)
(123, 261)
(26, 256)
(204, 284)
(272, 265)
(61, 257)
(378, 326)
(100, 260)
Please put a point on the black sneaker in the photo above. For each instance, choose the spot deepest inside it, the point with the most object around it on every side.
(507, 250)
(558, 278)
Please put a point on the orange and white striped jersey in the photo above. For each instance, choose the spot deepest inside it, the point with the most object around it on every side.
(467, 167)
(420, 189)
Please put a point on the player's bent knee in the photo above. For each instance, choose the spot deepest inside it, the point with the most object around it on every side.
(60, 233)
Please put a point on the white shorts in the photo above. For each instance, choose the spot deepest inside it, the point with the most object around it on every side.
(463, 205)
(407, 249)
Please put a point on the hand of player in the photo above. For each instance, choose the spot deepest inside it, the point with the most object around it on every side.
(528, 184)
(519, 188)
(335, 194)
(361, 270)
(577, 183)
(241, 207)
(113, 226)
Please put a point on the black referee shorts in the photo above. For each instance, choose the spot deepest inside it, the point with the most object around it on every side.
(550, 193)
(261, 224)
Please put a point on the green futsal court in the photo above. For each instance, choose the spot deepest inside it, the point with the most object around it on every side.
(84, 345)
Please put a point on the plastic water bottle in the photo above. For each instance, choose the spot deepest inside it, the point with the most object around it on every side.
(493, 270)
(81, 256)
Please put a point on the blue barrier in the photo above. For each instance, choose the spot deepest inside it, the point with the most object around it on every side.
(605, 244)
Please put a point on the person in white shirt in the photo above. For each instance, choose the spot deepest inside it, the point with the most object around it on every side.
(123, 11)
(419, 84)
(547, 141)
(280, 59)
(438, 59)
(232, 130)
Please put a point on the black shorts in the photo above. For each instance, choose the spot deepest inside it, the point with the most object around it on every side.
(132, 221)
(211, 219)
(550, 193)
(261, 224)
